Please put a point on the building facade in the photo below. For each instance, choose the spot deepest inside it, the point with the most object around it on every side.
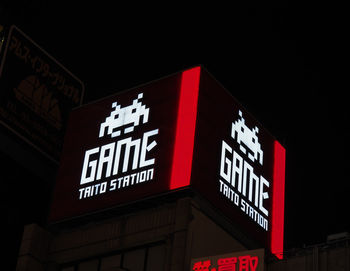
(332, 255)
(165, 236)
(160, 175)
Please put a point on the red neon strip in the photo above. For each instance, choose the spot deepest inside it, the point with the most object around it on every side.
(277, 225)
(185, 129)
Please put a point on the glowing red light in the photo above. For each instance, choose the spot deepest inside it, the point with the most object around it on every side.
(185, 129)
(241, 263)
(277, 225)
(202, 266)
(227, 263)
(247, 263)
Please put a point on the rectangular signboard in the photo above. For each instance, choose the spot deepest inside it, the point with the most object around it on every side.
(249, 260)
(182, 131)
(118, 149)
(238, 165)
(36, 94)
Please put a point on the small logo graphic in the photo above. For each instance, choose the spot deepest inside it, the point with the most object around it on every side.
(247, 139)
(124, 116)
(125, 162)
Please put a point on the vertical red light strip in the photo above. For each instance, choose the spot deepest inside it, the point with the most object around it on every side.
(277, 225)
(185, 129)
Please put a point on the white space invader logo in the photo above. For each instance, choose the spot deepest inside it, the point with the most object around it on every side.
(248, 137)
(124, 116)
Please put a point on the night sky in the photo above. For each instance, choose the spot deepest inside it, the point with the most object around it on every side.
(285, 63)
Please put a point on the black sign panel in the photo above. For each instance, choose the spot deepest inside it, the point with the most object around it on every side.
(235, 164)
(36, 94)
(118, 150)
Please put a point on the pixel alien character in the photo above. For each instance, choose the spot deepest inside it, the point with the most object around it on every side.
(125, 116)
(248, 137)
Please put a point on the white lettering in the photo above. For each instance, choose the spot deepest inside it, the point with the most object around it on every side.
(237, 171)
(225, 166)
(253, 178)
(146, 148)
(242, 186)
(263, 195)
(126, 181)
(113, 185)
(89, 165)
(254, 215)
(128, 153)
(92, 190)
(132, 179)
(242, 176)
(128, 143)
(229, 193)
(105, 158)
(247, 173)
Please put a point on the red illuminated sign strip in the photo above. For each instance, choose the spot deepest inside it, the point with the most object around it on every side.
(246, 262)
(277, 225)
(185, 129)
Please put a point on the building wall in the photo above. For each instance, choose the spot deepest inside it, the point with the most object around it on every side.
(158, 238)
(334, 256)
(165, 237)
(206, 238)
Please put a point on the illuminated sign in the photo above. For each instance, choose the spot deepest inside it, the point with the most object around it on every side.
(251, 260)
(115, 159)
(238, 182)
(238, 166)
(183, 131)
(119, 149)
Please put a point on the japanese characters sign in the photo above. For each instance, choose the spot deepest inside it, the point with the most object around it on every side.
(250, 260)
(36, 94)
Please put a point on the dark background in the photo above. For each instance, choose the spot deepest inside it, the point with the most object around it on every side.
(285, 62)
